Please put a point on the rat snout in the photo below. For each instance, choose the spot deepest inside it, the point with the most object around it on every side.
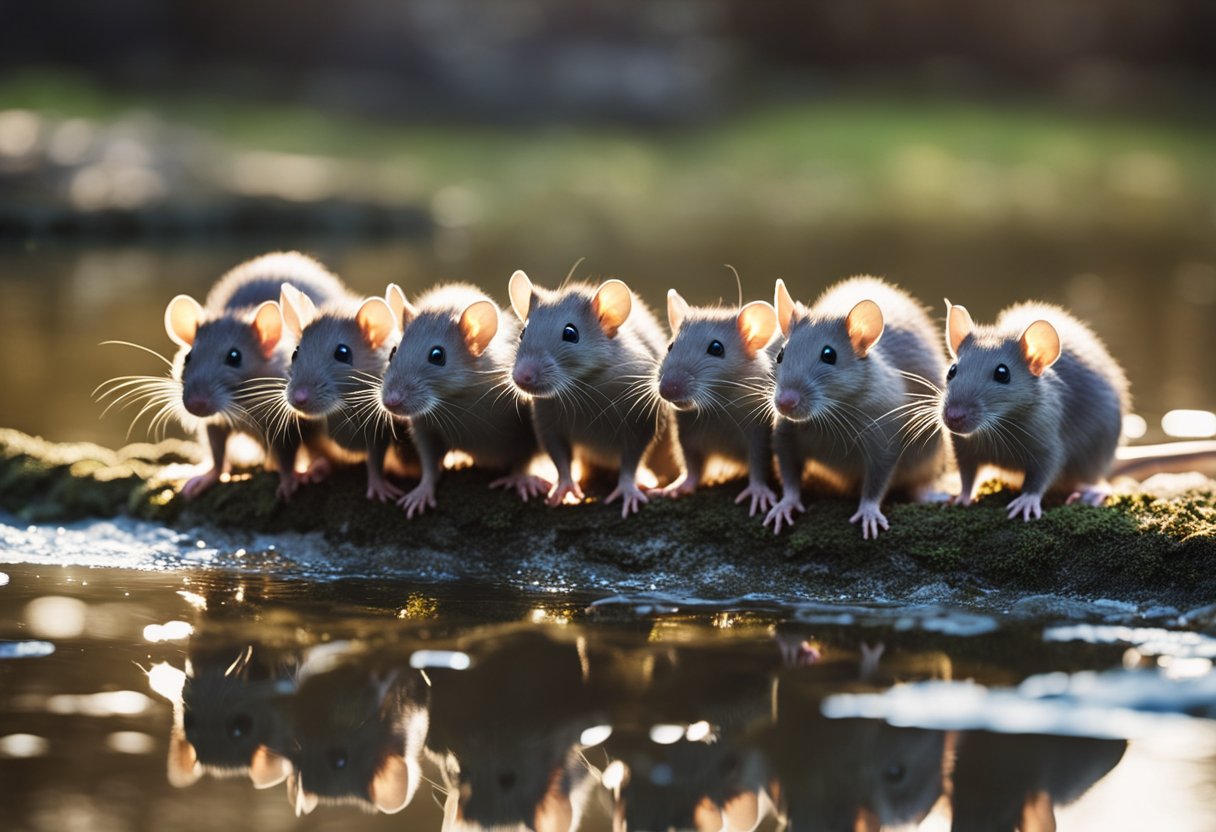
(392, 400)
(526, 375)
(300, 396)
(199, 405)
(958, 417)
(675, 387)
(787, 401)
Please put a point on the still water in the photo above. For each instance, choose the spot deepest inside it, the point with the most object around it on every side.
(187, 697)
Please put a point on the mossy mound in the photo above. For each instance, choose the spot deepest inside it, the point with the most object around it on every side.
(1141, 547)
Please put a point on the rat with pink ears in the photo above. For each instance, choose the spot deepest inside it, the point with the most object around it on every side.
(586, 360)
(848, 385)
(715, 374)
(1036, 392)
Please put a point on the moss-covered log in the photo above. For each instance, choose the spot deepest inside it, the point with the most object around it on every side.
(1142, 547)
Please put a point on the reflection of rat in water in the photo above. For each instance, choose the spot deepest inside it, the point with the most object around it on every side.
(846, 380)
(448, 376)
(229, 720)
(233, 347)
(1036, 392)
(1005, 782)
(358, 733)
(716, 374)
(343, 350)
(586, 358)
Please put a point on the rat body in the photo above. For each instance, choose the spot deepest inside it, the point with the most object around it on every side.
(585, 358)
(341, 356)
(233, 348)
(715, 375)
(448, 377)
(844, 396)
(1036, 392)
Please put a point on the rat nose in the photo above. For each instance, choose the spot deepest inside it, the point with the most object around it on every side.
(526, 374)
(956, 416)
(392, 399)
(300, 396)
(199, 405)
(674, 387)
(787, 400)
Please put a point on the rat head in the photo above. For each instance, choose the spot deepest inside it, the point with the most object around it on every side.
(566, 333)
(441, 356)
(338, 355)
(218, 356)
(714, 353)
(994, 375)
(825, 360)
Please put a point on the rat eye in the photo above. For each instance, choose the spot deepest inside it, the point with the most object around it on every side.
(570, 333)
(780, 354)
(233, 358)
(337, 758)
(828, 355)
(239, 726)
(1001, 374)
(392, 353)
(295, 354)
(894, 773)
(437, 356)
(952, 372)
(342, 353)
(716, 349)
(186, 360)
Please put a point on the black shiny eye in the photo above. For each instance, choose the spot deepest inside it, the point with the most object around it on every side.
(894, 773)
(716, 349)
(342, 353)
(570, 333)
(186, 360)
(437, 356)
(828, 355)
(295, 354)
(1001, 374)
(233, 358)
(952, 372)
(392, 353)
(239, 726)
(337, 758)
(780, 354)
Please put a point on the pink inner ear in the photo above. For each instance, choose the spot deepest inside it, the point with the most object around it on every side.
(784, 304)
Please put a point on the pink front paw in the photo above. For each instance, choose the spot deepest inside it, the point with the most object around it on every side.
(961, 500)
(203, 482)
(418, 500)
(289, 483)
(871, 519)
(632, 498)
(382, 490)
(783, 512)
(319, 468)
(1026, 505)
(562, 490)
(1090, 495)
(680, 488)
(763, 498)
(525, 485)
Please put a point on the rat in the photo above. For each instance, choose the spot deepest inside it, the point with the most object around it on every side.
(716, 374)
(848, 382)
(233, 349)
(1035, 392)
(449, 377)
(585, 360)
(342, 351)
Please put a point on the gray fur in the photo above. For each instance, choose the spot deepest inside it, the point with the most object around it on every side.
(856, 416)
(1061, 428)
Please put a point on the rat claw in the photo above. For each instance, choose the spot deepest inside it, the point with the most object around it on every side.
(526, 486)
(632, 499)
(784, 512)
(418, 501)
(762, 497)
(960, 500)
(288, 485)
(1026, 505)
(871, 518)
(674, 490)
(1089, 495)
(561, 490)
(201, 483)
(382, 490)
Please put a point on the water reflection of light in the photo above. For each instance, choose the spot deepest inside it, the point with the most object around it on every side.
(130, 742)
(595, 735)
(1176, 667)
(449, 659)
(167, 681)
(666, 734)
(25, 649)
(23, 745)
(194, 599)
(55, 616)
(18, 132)
(1134, 426)
(169, 631)
(699, 732)
(106, 703)
(1189, 424)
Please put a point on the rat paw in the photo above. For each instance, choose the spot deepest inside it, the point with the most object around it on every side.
(1026, 505)
(418, 500)
(960, 500)
(382, 490)
(525, 485)
(562, 490)
(1089, 495)
(763, 498)
(632, 498)
(203, 482)
(871, 519)
(289, 484)
(783, 512)
(318, 469)
(675, 490)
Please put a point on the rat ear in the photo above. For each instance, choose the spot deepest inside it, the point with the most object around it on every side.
(298, 309)
(520, 290)
(394, 784)
(302, 801)
(612, 304)
(958, 326)
(756, 322)
(375, 321)
(784, 305)
(742, 812)
(1040, 346)
(268, 326)
(182, 317)
(402, 309)
(677, 310)
(479, 322)
(267, 768)
(865, 326)
(184, 768)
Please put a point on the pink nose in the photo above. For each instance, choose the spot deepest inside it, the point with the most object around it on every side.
(300, 396)
(392, 399)
(526, 375)
(674, 387)
(787, 400)
(199, 405)
(956, 416)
